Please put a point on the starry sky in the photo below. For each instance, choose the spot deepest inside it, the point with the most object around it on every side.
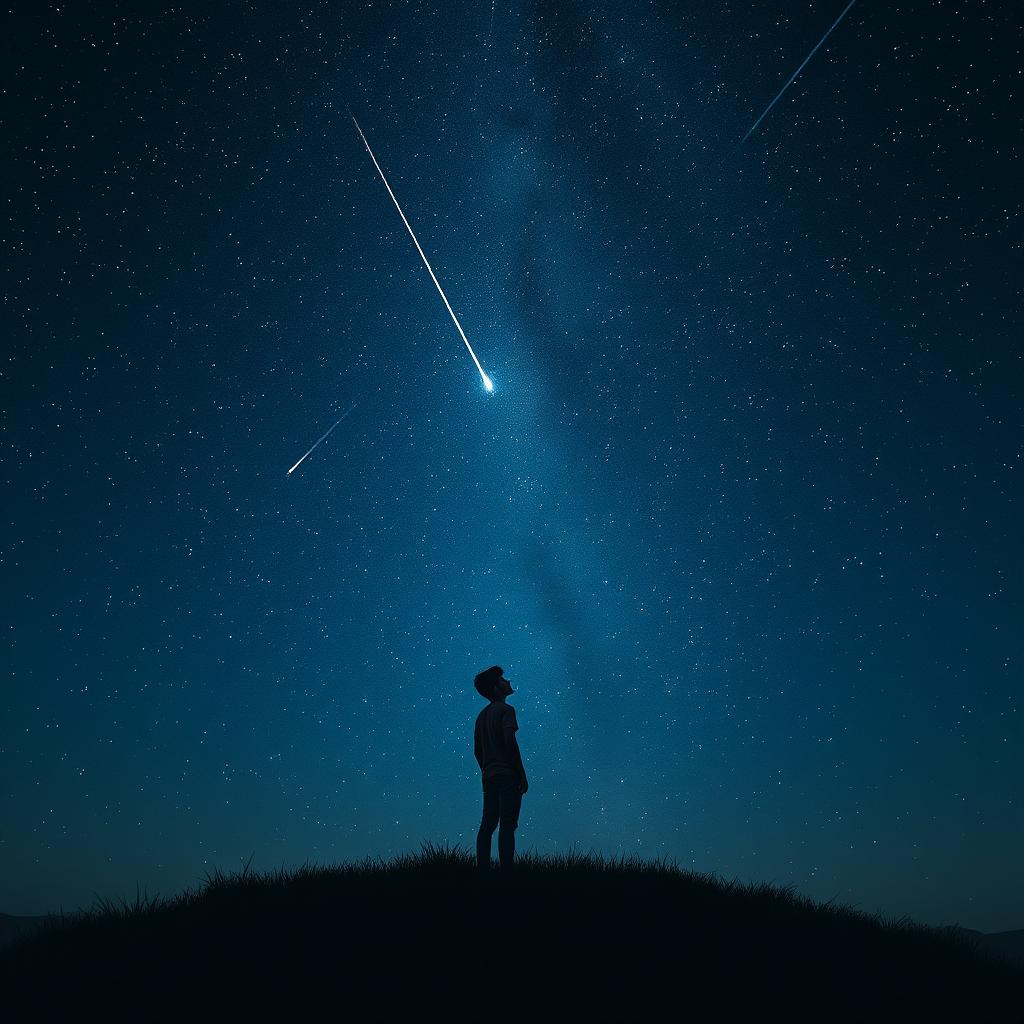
(740, 518)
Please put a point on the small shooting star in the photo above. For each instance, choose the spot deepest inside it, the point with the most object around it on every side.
(323, 438)
(792, 78)
(483, 376)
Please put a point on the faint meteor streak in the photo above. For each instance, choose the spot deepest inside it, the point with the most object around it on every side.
(324, 438)
(792, 78)
(426, 263)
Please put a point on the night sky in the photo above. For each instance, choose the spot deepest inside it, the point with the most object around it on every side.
(740, 519)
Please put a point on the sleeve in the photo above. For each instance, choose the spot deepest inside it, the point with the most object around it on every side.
(509, 721)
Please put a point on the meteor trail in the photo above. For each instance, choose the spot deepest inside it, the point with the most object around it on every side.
(430, 270)
(792, 78)
(324, 438)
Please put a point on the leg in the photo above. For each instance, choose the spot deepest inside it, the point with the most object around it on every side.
(510, 802)
(487, 826)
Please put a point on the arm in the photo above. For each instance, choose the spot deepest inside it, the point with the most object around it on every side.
(513, 746)
(478, 751)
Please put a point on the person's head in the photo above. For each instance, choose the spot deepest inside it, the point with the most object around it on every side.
(492, 684)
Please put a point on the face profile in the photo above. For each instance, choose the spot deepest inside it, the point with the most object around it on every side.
(492, 684)
(503, 688)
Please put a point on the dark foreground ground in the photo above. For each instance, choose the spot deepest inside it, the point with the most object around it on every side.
(572, 938)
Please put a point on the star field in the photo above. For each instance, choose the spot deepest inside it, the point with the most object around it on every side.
(740, 518)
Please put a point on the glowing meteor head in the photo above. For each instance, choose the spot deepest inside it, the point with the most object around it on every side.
(488, 383)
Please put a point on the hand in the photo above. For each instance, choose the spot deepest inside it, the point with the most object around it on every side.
(523, 785)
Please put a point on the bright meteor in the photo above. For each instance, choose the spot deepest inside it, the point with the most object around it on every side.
(426, 263)
(324, 438)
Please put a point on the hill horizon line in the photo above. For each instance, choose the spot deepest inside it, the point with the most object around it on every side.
(579, 934)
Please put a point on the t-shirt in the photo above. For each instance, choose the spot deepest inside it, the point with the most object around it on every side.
(498, 758)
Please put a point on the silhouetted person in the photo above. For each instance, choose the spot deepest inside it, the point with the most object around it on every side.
(501, 765)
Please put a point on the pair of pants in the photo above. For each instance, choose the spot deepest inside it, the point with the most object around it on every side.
(502, 801)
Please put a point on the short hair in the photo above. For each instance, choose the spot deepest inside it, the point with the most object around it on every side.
(487, 681)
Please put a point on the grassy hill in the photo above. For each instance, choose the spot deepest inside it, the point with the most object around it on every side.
(569, 938)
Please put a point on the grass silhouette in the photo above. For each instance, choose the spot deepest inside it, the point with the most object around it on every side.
(572, 937)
